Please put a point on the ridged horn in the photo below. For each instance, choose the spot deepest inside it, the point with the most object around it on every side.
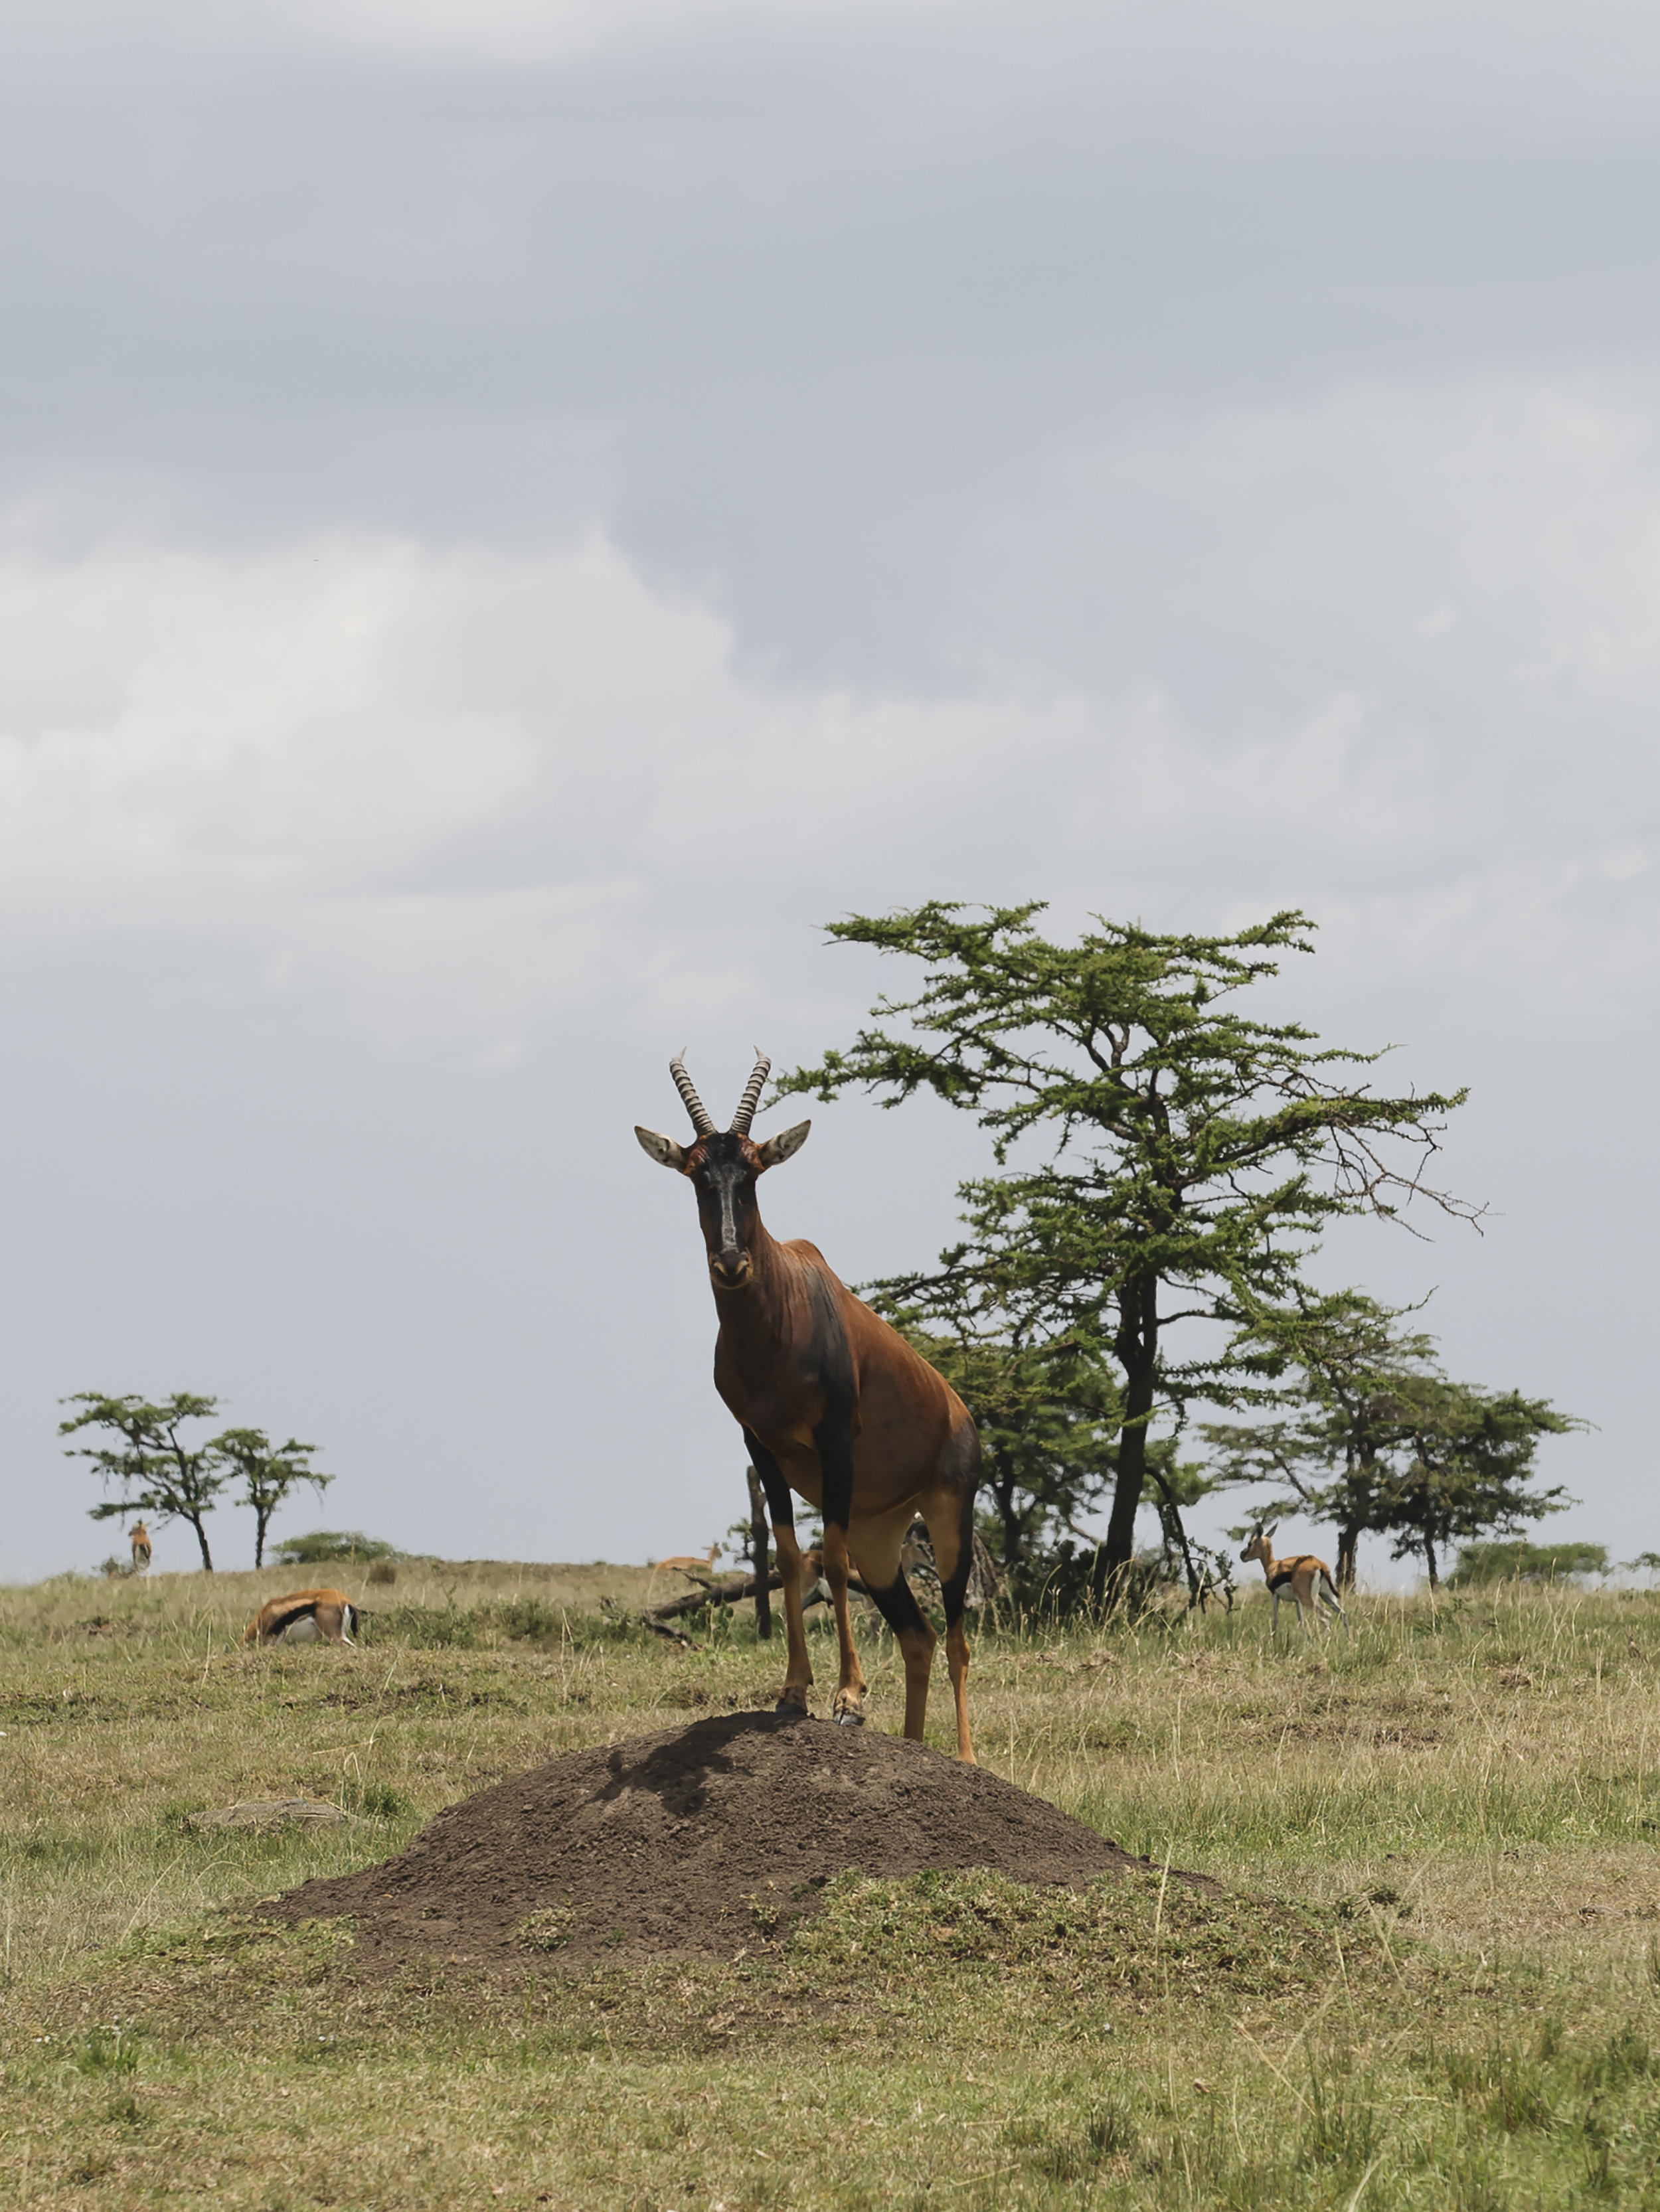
(701, 1120)
(751, 1098)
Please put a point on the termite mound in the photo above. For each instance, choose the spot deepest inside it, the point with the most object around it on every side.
(688, 1842)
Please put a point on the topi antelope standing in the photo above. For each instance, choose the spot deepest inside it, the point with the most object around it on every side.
(834, 1406)
(1308, 1579)
(139, 1538)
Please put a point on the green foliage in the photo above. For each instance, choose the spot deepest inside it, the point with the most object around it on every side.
(154, 1472)
(1519, 1560)
(322, 1545)
(1165, 1159)
(427, 1627)
(1376, 1436)
(1467, 1462)
(531, 1620)
(268, 1473)
(375, 1801)
(1047, 1413)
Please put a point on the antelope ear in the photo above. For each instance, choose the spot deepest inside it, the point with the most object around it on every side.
(663, 1149)
(1272, 1532)
(785, 1145)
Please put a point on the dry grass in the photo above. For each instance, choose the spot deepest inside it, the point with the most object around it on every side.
(1458, 1806)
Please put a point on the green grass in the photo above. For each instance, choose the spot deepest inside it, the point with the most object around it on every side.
(1431, 1979)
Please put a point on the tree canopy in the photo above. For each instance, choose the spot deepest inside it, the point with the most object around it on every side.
(1164, 1159)
(268, 1474)
(1375, 1437)
(154, 1471)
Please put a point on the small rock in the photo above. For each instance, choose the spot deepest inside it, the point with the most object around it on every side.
(271, 1813)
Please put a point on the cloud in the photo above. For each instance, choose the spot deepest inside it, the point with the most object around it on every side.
(1394, 660)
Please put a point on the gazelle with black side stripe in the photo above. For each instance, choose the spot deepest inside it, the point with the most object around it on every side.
(1308, 1580)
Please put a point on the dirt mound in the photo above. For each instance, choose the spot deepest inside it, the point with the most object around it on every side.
(694, 1843)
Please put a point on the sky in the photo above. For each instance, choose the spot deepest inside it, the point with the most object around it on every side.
(515, 513)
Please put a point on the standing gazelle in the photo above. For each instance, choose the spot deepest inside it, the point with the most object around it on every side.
(834, 1404)
(139, 1537)
(1308, 1580)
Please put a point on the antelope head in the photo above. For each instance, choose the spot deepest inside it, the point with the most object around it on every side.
(722, 1166)
(1260, 1546)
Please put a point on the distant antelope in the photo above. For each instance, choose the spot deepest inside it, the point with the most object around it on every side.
(686, 1564)
(835, 1405)
(140, 1539)
(1308, 1580)
(315, 1616)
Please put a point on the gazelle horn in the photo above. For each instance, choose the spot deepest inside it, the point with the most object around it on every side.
(701, 1119)
(751, 1098)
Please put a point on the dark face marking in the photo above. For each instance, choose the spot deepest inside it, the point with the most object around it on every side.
(723, 1173)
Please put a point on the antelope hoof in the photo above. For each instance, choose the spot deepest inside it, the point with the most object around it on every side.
(850, 1713)
(792, 1707)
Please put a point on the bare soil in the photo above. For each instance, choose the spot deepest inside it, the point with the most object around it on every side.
(701, 1842)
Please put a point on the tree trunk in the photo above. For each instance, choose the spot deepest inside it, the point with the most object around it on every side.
(1429, 1560)
(1005, 1492)
(260, 1522)
(1348, 1546)
(1171, 1515)
(758, 1559)
(195, 1520)
(1137, 1347)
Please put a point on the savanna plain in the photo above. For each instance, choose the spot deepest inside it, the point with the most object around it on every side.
(1431, 1975)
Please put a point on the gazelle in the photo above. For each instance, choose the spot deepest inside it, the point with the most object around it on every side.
(834, 1405)
(314, 1616)
(686, 1562)
(1308, 1580)
(139, 1537)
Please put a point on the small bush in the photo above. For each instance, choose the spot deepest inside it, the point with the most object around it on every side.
(325, 1543)
(530, 1620)
(1520, 1561)
(427, 1627)
(550, 1929)
(375, 1801)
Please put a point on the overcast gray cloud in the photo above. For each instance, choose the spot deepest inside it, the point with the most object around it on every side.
(511, 515)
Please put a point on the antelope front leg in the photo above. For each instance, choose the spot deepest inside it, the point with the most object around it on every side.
(798, 1674)
(833, 1437)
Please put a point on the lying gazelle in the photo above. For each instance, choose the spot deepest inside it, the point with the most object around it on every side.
(835, 1407)
(139, 1537)
(315, 1616)
(1308, 1580)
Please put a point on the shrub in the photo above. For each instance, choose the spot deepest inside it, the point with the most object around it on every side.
(1517, 1560)
(324, 1544)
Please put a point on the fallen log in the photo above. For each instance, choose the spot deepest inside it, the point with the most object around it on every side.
(729, 1592)
(712, 1593)
(657, 1627)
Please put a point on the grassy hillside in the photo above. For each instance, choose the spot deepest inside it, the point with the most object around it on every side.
(1435, 1984)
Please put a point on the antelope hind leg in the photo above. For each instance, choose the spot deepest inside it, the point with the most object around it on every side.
(950, 1532)
(895, 1600)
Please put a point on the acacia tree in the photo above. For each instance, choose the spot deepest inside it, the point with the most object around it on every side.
(157, 1472)
(1332, 1449)
(1166, 1160)
(1468, 1468)
(1047, 1413)
(269, 1473)
(1380, 1439)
